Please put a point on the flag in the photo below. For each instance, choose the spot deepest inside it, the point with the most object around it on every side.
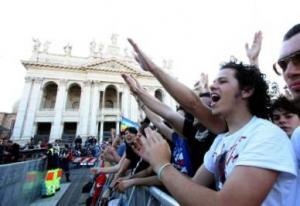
(128, 123)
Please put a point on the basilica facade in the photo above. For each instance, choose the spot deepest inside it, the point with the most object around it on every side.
(65, 95)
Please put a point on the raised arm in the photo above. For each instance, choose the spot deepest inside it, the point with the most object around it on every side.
(112, 169)
(123, 168)
(156, 120)
(161, 109)
(181, 93)
(110, 154)
(253, 51)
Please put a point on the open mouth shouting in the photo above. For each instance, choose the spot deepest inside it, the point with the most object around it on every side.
(214, 99)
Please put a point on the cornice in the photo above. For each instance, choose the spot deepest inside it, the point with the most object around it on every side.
(88, 67)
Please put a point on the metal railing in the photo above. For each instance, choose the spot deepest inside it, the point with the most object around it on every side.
(136, 196)
(153, 196)
(28, 154)
(21, 182)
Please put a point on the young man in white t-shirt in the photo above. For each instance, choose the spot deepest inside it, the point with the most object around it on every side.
(253, 163)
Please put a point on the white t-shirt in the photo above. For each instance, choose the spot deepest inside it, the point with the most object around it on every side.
(296, 145)
(259, 143)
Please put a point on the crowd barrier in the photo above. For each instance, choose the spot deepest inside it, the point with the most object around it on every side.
(20, 183)
(153, 196)
(136, 196)
(32, 153)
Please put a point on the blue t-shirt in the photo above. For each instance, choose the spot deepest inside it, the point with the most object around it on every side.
(121, 149)
(181, 156)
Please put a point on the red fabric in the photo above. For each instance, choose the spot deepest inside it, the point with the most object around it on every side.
(100, 181)
(70, 156)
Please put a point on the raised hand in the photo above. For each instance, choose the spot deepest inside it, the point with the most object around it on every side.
(95, 170)
(144, 61)
(204, 82)
(201, 86)
(132, 83)
(253, 51)
(153, 149)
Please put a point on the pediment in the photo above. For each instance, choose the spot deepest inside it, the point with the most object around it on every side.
(113, 66)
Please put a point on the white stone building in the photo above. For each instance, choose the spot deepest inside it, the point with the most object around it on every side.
(66, 95)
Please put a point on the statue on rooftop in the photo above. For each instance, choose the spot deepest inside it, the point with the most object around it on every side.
(68, 49)
(100, 49)
(92, 48)
(36, 45)
(114, 39)
(46, 46)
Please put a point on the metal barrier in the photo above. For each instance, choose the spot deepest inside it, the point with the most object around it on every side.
(153, 196)
(20, 183)
(28, 154)
(137, 196)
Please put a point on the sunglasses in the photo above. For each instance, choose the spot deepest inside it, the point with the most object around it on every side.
(281, 64)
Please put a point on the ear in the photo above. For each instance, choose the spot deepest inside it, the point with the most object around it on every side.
(247, 92)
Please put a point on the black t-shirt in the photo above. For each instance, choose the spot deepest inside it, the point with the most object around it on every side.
(134, 159)
(199, 139)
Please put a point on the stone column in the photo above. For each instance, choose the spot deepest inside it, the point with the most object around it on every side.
(59, 109)
(101, 130)
(102, 115)
(126, 103)
(103, 101)
(32, 108)
(94, 109)
(118, 100)
(22, 109)
(85, 108)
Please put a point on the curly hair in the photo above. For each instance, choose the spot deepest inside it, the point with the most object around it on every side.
(250, 77)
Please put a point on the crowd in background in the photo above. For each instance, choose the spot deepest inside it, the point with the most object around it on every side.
(9, 151)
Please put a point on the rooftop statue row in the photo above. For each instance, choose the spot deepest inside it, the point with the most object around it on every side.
(95, 50)
(40, 52)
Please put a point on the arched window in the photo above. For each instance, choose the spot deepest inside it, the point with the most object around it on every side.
(73, 99)
(110, 97)
(49, 96)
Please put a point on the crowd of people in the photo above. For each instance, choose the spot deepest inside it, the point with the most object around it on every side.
(227, 144)
(9, 151)
(230, 143)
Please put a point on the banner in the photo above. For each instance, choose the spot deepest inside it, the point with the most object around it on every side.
(128, 123)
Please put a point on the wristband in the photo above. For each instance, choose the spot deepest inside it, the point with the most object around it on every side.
(161, 169)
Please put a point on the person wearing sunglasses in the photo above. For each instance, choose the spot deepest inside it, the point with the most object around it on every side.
(288, 64)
